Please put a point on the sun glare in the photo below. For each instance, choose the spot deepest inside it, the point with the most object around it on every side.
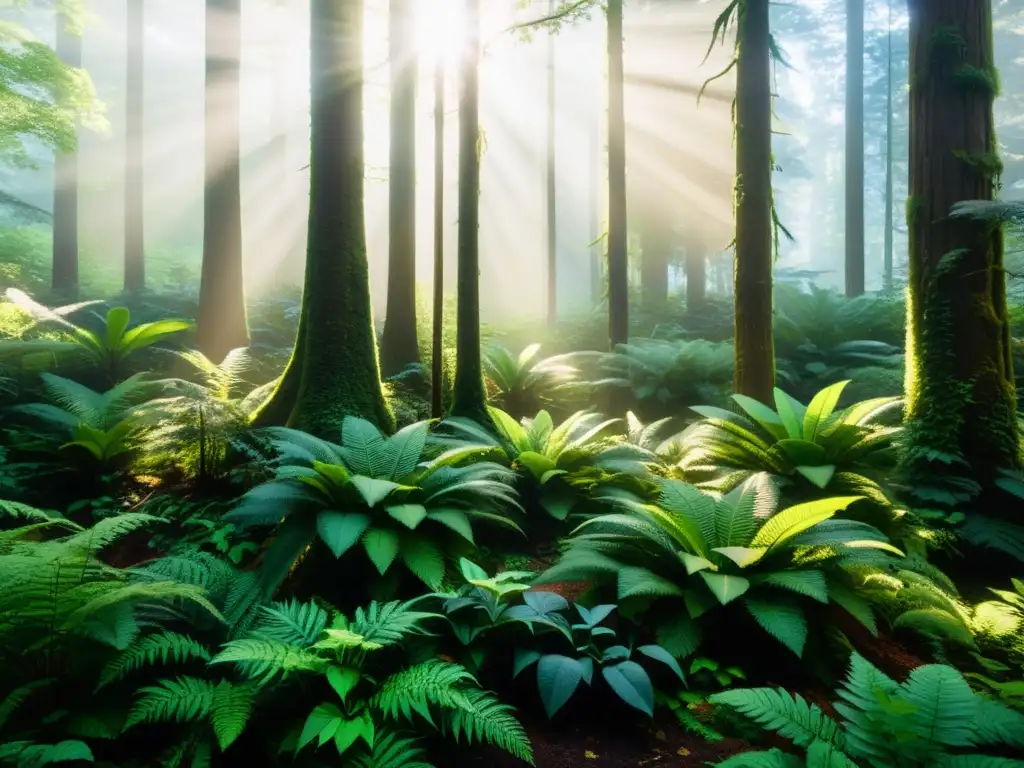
(440, 30)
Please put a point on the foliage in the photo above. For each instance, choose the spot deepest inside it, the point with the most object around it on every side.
(523, 385)
(679, 561)
(933, 719)
(376, 492)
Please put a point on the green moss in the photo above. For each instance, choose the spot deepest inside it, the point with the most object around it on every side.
(984, 80)
(989, 164)
(914, 206)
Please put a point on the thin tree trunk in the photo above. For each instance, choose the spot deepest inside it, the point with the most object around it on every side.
(887, 256)
(854, 147)
(595, 181)
(221, 321)
(64, 277)
(552, 209)
(656, 239)
(618, 265)
(469, 399)
(134, 216)
(961, 399)
(754, 373)
(399, 346)
(437, 347)
(696, 277)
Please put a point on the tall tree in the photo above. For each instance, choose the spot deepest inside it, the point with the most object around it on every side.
(334, 371)
(64, 277)
(754, 373)
(854, 147)
(888, 234)
(656, 242)
(551, 179)
(220, 322)
(437, 342)
(134, 217)
(618, 264)
(399, 346)
(469, 399)
(695, 267)
(960, 388)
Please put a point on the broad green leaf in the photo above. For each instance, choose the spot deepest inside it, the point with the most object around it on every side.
(631, 683)
(322, 716)
(557, 679)
(522, 659)
(634, 581)
(424, 559)
(402, 450)
(372, 489)
(117, 324)
(454, 519)
(658, 653)
(725, 588)
(471, 571)
(693, 563)
(409, 515)
(762, 414)
(347, 733)
(782, 619)
(821, 408)
(536, 463)
(148, 334)
(798, 518)
(819, 476)
(340, 531)
(679, 635)
(557, 500)
(527, 355)
(802, 451)
(381, 547)
(343, 680)
(791, 412)
(742, 556)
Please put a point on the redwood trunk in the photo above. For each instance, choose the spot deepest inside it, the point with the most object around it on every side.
(618, 266)
(854, 147)
(134, 216)
(64, 277)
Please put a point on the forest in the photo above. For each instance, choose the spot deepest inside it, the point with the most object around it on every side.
(442, 383)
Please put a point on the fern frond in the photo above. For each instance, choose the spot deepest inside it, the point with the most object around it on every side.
(163, 648)
(416, 689)
(392, 750)
(389, 623)
(266, 658)
(230, 711)
(292, 622)
(489, 721)
(178, 700)
(784, 713)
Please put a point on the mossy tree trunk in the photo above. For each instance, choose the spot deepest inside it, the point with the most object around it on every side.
(618, 265)
(64, 277)
(469, 399)
(399, 346)
(134, 216)
(754, 373)
(960, 387)
(220, 322)
(334, 370)
(854, 147)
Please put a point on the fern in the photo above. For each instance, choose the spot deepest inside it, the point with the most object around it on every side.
(392, 750)
(179, 700)
(292, 622)
(230, 711)
(263, 659)
(784, 713)
(488, 720)
(163, 648)
(432, 683)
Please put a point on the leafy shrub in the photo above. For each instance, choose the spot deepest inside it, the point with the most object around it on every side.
(523, 385)
(692, 552)
(373, 491)
(933, 719)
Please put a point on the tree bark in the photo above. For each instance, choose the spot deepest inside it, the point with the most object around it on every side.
(399, 345)
(134, 215)
(437, 345)
(754, 373)
(221, 320)
(551, 179)
(334, 370)
(469, 399)
(961, 399)
(656, 237)
(64, 276)
(618, 265)
(854, 147)
(887, 255)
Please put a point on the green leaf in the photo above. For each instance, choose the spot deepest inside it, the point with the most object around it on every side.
(819, 476)
(742, 556)
(232, 707)
(409, 515)
(798, 518)
(802, 451)
(381, 547)
(782, 619)
(340, 531)
(634, 581)
(658, 653)
(725, 588)
(522, 659)
(557, 679)
(557, 500)
(322, 716)
(791, 412)
(471, 571)
(693, 563)
(343, 680)
(679, 635)
(536, 463)
(402, 450)
(455, 520)
(348, 731)
(762, 414)
(630, 681)
(117, 324)
(424, 559)
(821, 408)
(372, 489)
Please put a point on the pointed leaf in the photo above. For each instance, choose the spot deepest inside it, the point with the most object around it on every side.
(630, 681)
(372, 489)
(381, 547)
(557, 679)
(343, 680)
(791, 412)
(340, 530)
(819, 476)
(725, 588)
(658, 653)
(821, 408)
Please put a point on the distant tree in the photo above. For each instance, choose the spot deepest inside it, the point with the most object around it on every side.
(887, 254)
(618, 264)
(469, 399)
(64, 279)
(221, 321)
(961, 402)
(334, 371)
(551, 187)
(134, 177)
(399, 346)
(437, 337)
(854, 147)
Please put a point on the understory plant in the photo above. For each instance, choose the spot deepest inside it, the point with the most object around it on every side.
(679, 562)
(933, 720)
(374, 493)
(521, 385)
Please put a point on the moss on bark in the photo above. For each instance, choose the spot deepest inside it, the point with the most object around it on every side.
(961, 399)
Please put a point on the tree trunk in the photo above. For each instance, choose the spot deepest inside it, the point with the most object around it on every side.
(399, 346)
(134, 216)
(64, 277)
(854, 147)
(221, 322)
(960, 387)
(618, 265)
(551, 200)
(656, 238)
(596, 179)
(469, 399)
(754, 374)
(696, 278)
(887, 255)
(334, 370)
(437, 345)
